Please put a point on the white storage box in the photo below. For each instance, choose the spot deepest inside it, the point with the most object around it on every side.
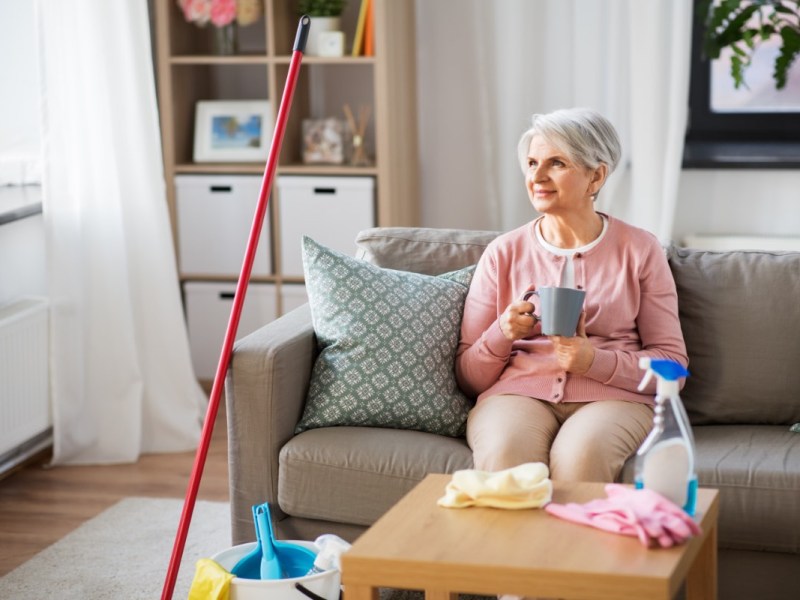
(215, 215)
(208, 309)
(293, 295)
(331, 210)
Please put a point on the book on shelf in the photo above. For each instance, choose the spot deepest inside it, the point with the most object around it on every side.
(369, 30)
(358, 38)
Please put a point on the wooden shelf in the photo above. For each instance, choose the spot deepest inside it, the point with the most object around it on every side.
(208, 59)
(294, 169)
(385, 82)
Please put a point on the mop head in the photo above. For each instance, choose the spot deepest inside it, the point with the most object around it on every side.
(211, 581)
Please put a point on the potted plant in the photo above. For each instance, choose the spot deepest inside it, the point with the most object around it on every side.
(743, 25)
(325, 16)
(322, 8)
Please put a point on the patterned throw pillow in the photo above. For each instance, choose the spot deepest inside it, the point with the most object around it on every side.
(387, 344)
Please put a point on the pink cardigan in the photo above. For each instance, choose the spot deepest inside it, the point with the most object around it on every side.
(631, 311)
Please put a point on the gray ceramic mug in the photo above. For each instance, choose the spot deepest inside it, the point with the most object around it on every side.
(559, 310)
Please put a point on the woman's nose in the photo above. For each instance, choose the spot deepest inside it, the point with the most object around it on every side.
(539, 173)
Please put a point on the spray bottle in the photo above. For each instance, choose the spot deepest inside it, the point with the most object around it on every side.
(665, 461)
(331, 547)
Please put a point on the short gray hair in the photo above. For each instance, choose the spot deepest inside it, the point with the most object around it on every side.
(585, 135)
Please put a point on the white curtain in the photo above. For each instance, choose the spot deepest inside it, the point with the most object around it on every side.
(628, 59)
(121, 377)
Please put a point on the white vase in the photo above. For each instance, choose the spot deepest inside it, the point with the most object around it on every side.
(318, 25)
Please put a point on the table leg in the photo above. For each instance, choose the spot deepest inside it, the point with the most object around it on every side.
(701, 581)
(360, 592)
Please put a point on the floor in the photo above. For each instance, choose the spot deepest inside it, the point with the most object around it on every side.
(40, 505)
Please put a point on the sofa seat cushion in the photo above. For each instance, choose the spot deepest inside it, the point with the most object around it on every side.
(756, 469)
(355, 474)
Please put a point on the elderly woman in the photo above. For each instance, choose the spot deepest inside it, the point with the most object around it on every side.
(569, 402)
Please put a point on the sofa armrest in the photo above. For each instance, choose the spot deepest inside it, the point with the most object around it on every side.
(265, 392)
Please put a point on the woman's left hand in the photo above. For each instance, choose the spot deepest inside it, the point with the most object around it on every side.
(574, 354)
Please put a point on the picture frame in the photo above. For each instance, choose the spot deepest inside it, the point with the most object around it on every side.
(324, 141)
(232, 131)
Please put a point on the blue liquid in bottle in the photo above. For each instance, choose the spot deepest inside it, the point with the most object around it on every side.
(691, 495)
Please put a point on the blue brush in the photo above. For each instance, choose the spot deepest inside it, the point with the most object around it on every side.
(271, 558)
(261, 562)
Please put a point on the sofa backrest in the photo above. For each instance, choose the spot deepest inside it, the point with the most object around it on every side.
(740, 315)
(739, 311)
(421, 249)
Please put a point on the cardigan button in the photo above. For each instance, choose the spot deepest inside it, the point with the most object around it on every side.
(580, 287)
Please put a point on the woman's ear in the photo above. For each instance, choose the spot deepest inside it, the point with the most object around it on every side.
(598, 178)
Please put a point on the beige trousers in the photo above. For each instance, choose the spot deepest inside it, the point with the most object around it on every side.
(587, 441)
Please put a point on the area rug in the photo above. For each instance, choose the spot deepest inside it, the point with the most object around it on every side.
(122, 553)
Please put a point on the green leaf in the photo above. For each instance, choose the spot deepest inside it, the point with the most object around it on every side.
(721, 14)
(733, 32)
(766, 31)
(737, 72)
(785, 9)
(789, 51)
(749, 36)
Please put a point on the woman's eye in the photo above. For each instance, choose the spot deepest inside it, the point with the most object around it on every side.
(531, 164)
(558, 163)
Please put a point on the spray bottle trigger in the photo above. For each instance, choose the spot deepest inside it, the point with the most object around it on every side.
(645, 380)
(644, 363)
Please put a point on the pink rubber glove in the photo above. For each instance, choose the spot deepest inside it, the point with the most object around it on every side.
(601, 514)
(638, 513)
(664, 520)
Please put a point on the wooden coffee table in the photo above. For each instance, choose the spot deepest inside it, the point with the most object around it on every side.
(418, 545)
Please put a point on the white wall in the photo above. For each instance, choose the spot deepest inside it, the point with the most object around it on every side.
(748, 201)
(20, 136)
(22, 249)
(451, 90)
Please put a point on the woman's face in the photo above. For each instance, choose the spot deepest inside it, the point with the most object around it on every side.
(556, 184)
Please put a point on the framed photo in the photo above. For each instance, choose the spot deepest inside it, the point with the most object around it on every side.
(232, 131)
(324, 141)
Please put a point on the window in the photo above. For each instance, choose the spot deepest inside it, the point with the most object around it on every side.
(751, 127)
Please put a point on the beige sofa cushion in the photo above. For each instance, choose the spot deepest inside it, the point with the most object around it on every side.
(750, 466)
(355, 474)
(422, 250)
(740, 314)
(755, 469)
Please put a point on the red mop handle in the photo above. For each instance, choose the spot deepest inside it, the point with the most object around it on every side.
(236, 310)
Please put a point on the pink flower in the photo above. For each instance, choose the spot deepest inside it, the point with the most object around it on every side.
(196, 11)
(223, 12)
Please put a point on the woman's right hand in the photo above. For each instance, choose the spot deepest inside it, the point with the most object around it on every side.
(517, 321)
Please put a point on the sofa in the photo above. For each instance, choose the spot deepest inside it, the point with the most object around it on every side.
(740, 314)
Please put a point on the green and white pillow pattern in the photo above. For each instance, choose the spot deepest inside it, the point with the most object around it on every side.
(387, 344)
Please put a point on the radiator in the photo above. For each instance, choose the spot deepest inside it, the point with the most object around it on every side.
(25, 417)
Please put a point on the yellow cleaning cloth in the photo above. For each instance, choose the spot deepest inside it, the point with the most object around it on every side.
(211, 581)
(524, 486)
